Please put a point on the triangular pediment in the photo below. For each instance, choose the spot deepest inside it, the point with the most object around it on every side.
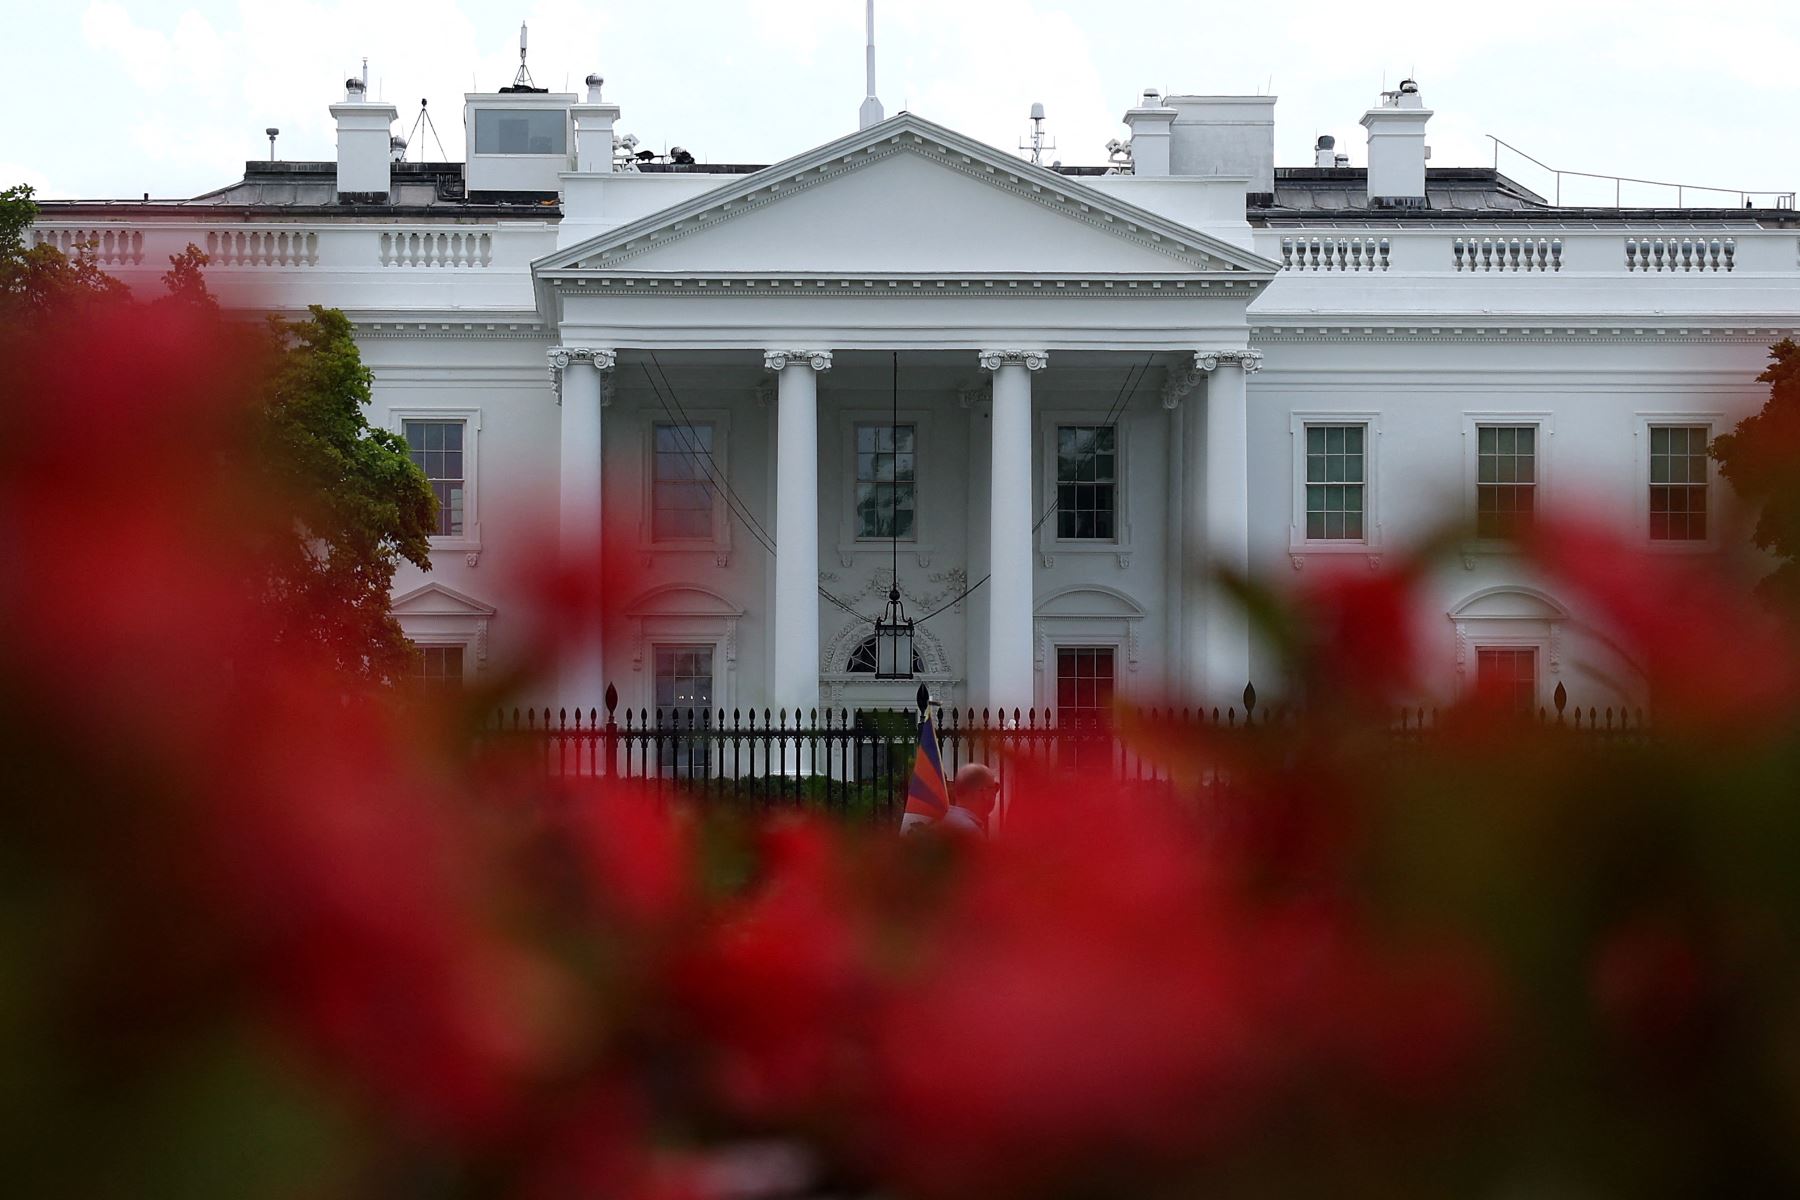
(436, 600)
(906, 197)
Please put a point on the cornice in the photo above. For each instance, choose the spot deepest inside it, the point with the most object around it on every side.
(1242, 290)
(1534, 332)
(485, 330)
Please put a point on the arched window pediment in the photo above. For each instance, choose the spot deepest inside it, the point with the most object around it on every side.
(862, 658)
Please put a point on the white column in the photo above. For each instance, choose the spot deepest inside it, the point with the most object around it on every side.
(794, 646)
(576, 372)
(1225, 667)
(1185, 624)
(1009, 598)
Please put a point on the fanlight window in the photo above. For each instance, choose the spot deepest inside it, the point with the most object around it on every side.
(863, 659)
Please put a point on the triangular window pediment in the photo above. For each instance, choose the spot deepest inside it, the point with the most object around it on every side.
(436, 600)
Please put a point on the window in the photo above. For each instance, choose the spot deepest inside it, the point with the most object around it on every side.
(885, 474)
(1086, 481)
(1505, 480)
(681, 505)
(684, 699)
(1084, 696)
(437, 450)
(1335, 479)
(438, 669)
(863, 659)
(1084, 685)
(1678, 481)
(1507, 675)
(520, 131)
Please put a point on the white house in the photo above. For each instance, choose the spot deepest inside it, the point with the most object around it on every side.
(1054, 397)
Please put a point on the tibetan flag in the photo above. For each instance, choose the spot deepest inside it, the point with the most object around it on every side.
(927, 796)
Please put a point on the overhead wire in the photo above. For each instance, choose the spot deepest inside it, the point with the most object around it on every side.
(1121, 400)
(715, 474)
(1128, 388)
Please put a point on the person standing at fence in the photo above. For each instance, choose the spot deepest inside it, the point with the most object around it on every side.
(972, 800)
(927, 797)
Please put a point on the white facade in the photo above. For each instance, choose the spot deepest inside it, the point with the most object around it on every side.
(557, 318)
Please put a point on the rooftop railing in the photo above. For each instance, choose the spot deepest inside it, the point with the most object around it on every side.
(1745, 197)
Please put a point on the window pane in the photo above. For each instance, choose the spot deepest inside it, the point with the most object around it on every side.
(520, 131)
(1339, 466)
(1678, 482)
(682, 495)
(1086, 475)
(442, 468)
(438, 669)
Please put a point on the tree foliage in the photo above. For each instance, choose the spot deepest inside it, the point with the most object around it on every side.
(1761, 458)
(346, 502)
(360, 504)
(37, 281)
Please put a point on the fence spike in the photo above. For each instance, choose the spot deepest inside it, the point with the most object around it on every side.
(1559, 697)
(612, 700)
(1249, 701)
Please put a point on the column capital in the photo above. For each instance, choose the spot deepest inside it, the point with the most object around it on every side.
(562, 357)
(778, 360)
(1209, 360)
(1180, 385)
(1031, 360)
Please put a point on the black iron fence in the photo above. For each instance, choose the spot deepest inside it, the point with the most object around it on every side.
(857, 762)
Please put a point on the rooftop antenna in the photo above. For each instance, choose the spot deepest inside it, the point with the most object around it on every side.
(1037, 143)
(870, 113)
(365, 75)
(272, 132)
(523, 78)
(424, 118)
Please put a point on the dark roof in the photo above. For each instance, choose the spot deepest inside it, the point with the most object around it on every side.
(1302, 196)
(309, 189)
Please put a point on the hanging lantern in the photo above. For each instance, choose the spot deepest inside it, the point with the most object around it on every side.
(894, 640)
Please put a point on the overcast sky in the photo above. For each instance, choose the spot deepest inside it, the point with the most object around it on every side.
(118, 97)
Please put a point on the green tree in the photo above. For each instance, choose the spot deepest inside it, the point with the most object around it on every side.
(351, 503)
(360, 503)
(1761, 458)
(37, 281)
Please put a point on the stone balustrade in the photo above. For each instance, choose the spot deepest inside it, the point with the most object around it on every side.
(1573, 250)
(275, 246)
(110, 247)
(1680, 254)
(437, 248)
(1503, 254)
(1329, 253)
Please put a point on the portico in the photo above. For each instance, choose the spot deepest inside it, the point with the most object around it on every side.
(1002, 295)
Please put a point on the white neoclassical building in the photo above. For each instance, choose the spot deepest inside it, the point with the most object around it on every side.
(1044, 402)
